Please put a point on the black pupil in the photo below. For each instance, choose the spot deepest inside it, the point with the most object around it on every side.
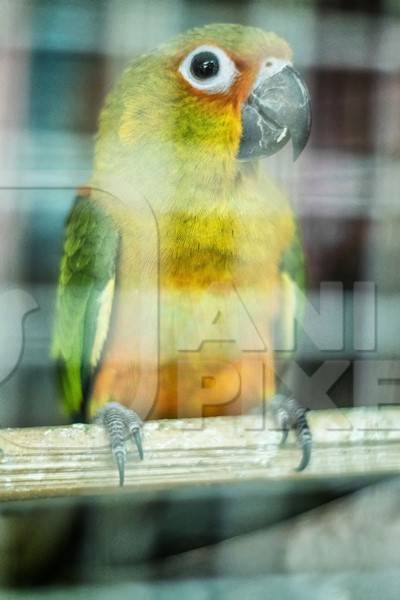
(204, 65)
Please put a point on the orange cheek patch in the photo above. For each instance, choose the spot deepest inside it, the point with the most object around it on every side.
(248, 71)
(244, 85)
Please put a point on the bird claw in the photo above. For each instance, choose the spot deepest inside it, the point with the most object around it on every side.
(118, 421)
(289, 415)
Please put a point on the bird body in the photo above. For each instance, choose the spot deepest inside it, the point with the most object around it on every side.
(211, 260)
(172, 274)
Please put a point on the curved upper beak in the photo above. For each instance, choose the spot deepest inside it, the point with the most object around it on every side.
(278, 109)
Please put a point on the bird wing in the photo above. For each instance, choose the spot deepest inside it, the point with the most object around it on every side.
(293, 279)
(85, 298)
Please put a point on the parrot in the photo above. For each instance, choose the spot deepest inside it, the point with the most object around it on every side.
(181, 255)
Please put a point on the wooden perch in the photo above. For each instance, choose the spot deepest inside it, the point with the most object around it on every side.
(49, 461)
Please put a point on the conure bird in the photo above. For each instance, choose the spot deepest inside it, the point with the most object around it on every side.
(181, 254)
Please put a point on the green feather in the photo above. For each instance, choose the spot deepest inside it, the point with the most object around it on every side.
(88, 263)
(293, 263)
(293, 272)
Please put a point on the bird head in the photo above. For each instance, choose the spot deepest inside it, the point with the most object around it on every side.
(222, 92)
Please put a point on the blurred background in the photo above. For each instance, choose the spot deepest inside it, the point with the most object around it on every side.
(58, 60)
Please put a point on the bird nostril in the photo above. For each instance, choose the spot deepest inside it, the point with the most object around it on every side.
(268, 63)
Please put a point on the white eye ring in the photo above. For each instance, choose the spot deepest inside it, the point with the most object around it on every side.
(213, 84)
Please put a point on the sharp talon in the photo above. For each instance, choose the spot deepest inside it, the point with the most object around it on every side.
(119, 423)
(285, 433)
(289, 415)
(305, 459)
(138, 441)
(304, 438)
(120, 458)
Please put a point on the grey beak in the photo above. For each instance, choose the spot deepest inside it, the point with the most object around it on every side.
(277, 110)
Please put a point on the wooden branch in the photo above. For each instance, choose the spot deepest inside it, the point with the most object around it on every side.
(49, 461)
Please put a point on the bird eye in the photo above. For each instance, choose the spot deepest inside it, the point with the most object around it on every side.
(204, 65)
(209, 69)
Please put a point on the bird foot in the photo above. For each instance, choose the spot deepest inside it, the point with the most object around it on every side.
(121, 423)
(289, 415)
